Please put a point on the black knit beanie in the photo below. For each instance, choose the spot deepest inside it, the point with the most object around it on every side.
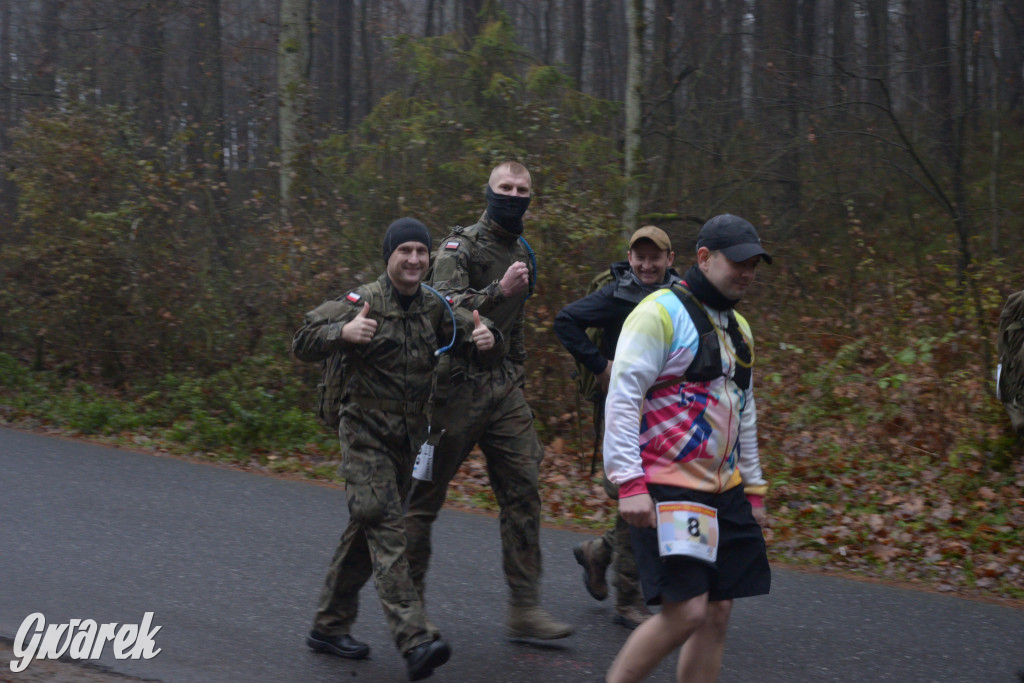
(404, 230)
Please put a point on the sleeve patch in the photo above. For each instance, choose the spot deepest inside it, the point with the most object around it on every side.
(354, 297)
(449, 299)
(451, 245)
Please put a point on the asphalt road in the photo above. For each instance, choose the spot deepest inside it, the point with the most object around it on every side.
(231, 563)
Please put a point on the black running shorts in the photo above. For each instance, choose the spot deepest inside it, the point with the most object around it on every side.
(740, 571)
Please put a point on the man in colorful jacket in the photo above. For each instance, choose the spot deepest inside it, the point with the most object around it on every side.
(681, 443)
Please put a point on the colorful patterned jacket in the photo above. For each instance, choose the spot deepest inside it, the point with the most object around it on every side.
(696, 435)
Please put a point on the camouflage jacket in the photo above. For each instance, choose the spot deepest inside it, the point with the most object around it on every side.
(469, 265)
(393, 372)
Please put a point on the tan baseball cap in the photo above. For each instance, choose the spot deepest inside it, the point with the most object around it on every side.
(654, 234)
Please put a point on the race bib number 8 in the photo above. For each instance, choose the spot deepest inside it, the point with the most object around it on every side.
(688, 529)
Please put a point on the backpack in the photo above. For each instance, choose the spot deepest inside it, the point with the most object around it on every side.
(706, 365)
(586, 381)
(330, 391)
(1010, 379)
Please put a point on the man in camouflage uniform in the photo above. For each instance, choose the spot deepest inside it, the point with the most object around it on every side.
(487, 267)
(387, 332)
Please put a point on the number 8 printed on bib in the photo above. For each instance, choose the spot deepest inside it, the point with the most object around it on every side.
(689, 529)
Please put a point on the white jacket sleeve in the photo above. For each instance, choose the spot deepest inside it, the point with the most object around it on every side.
(750, 463)
(640, 356)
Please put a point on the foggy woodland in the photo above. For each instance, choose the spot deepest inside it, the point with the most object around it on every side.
(184, 178)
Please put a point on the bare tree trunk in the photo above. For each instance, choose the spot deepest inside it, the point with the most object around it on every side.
(960, 115)
(152, 107)
(957, 116)
(574, 26)
(332, 63)
(292, 91)
(213, 90)
(662, 93)
(937, 70)
(366, 46)
(804, 59)
(8, 202)
(778, 48)
(733, 62)
(6, 75)
(323, 79)
(1011, 31)
(45, 72)
(470, 18)
(842, 49)
(428, 29)
(549, 14)
(343, 61)
(996, 123)
(634, 99)
(602, 49)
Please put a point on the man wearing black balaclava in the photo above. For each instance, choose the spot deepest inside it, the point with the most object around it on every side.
(489, 267)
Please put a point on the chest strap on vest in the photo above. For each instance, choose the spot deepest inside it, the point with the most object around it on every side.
(706, 365)
(533, 271)
(388, 405)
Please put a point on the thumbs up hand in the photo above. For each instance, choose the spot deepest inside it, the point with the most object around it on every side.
(360, 329)
(482, 337)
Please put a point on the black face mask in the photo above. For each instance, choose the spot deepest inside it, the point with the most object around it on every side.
(507, 210)
(706, 292)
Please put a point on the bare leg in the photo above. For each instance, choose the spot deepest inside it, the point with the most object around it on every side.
(655, 639)
(700, 658)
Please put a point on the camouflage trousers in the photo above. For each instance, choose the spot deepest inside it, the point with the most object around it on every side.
(488, 409)
(617, 549)
(377, 467)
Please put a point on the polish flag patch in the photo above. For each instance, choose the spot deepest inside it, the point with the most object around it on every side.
(451, 245)
(450, 300)
(353, 297)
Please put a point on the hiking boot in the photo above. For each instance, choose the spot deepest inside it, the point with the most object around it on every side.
(595, 564)
(534, 622)
(343, 646)
(631, 616)
(421, 661)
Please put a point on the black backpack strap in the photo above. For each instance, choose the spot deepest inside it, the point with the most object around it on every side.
(707, 363)
(744, 354)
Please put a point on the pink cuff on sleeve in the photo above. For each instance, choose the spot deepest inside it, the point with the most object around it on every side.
(755, 500)
(633, 487)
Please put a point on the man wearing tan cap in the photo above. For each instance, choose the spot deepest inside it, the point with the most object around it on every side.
(648, 267)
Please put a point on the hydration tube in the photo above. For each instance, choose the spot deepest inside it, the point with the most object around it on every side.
(533, 260)
(451, 314)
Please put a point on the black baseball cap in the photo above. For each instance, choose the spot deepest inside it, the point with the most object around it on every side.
(733, 236)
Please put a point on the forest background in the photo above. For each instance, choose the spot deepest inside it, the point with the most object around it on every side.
(183, 179)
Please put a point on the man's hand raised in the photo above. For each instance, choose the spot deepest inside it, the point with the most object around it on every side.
(360, 329)
(516, 279)
(482, 337)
